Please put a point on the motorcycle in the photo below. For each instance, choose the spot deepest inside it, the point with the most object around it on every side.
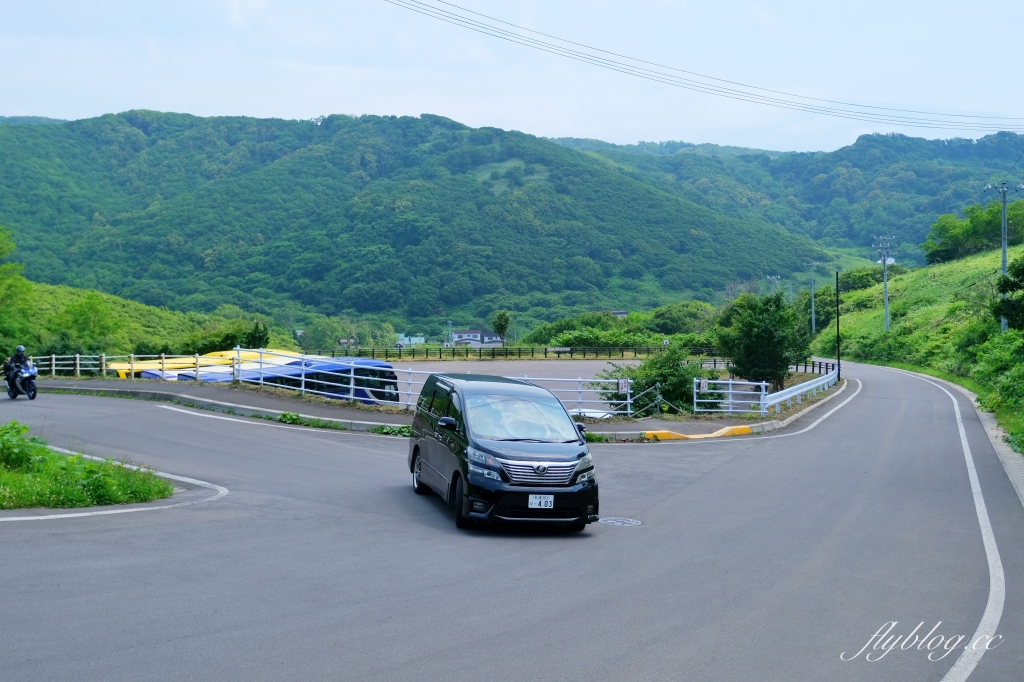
(22, 381)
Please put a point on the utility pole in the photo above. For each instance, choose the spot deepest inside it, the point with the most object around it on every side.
(884, 248)
(1003, 190)
(839, 359)
(814, 321)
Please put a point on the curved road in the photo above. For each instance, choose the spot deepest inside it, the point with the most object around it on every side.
(758, 558)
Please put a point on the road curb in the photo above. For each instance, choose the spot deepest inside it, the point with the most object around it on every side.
(209, 404)
(760, 427)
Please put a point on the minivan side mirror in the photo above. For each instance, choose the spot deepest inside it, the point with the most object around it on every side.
(447, 423)
(582, 428)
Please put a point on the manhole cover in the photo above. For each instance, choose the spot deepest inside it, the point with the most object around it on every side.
(616, 521)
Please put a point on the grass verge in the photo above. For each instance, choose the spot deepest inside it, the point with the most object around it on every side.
(386, 430)
(293, 418)
(32, 475)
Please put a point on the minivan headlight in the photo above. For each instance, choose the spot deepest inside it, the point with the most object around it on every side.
(486, 473)
(585, 476)
(584, 462)
(482, 458)
(477, 457)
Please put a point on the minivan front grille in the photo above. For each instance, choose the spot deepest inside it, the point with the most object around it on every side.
(539, 473)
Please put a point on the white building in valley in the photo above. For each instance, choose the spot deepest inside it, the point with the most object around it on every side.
(475, 338)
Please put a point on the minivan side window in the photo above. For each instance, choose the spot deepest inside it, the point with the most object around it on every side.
(427, 394)
(440, 403)
(455, 409)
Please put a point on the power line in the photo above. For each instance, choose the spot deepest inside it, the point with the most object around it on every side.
(737, 91)
(1014, 166)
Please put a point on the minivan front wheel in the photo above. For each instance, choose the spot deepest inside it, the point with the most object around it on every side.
(418, 486)
(457, 500)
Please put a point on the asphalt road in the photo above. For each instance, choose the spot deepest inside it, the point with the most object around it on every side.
(758, 558)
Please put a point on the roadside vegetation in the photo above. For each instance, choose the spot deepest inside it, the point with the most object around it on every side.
(32, 475)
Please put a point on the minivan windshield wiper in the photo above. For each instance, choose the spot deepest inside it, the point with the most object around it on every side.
(521, 440)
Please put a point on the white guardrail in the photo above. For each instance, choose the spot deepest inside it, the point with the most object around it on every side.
(377, 381)
(733, 396)
(350, 378)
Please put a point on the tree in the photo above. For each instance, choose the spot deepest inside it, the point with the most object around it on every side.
(981, 229)
(15, 292)
(684, 317)
(1012, 284)
(89, 321)
(501, 322)
(824, 306)
(762, 337)
(673, 371)
(227, 336)
(323, 333)
(258, 336)
(862, 278)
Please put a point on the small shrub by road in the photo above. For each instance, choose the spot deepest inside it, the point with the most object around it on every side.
(32, 475)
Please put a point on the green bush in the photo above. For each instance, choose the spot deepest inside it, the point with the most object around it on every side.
(294, 418)
(981, 229)
(393, 430)
(672, 372)
(31, 475)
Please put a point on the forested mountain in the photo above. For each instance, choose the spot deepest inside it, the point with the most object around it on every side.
(419, 219)
(880, 185)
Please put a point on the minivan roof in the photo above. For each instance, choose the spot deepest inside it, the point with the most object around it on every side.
(483, 383)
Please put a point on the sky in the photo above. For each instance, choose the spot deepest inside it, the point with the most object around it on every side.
(303, 58)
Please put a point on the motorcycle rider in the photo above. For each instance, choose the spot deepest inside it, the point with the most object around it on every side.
(16, 361)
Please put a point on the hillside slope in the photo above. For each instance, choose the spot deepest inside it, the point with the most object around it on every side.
(881, 184)
(412, 218)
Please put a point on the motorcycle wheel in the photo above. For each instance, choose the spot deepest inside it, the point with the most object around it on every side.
(30, 391)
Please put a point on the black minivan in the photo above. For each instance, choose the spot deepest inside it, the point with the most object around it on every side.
(498, 449)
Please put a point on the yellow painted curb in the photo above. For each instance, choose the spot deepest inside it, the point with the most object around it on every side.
(720, 433)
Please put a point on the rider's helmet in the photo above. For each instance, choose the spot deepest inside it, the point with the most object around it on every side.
(19, 349)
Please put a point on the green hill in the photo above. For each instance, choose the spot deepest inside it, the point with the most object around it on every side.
(882, 184)
(62, 320)
(420, 219)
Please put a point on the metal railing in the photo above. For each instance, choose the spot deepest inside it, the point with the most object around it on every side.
(501, 352)
(345, 379)
(733, 396)
(349, 379)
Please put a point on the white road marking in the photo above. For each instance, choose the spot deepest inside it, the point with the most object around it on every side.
(255, 422)
(822, 418)
(964, 665)
(241, 421)
(221, 492)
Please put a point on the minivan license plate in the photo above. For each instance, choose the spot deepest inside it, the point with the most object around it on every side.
(542, 501)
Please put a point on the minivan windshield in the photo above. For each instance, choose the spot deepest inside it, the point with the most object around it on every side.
(521, 418)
